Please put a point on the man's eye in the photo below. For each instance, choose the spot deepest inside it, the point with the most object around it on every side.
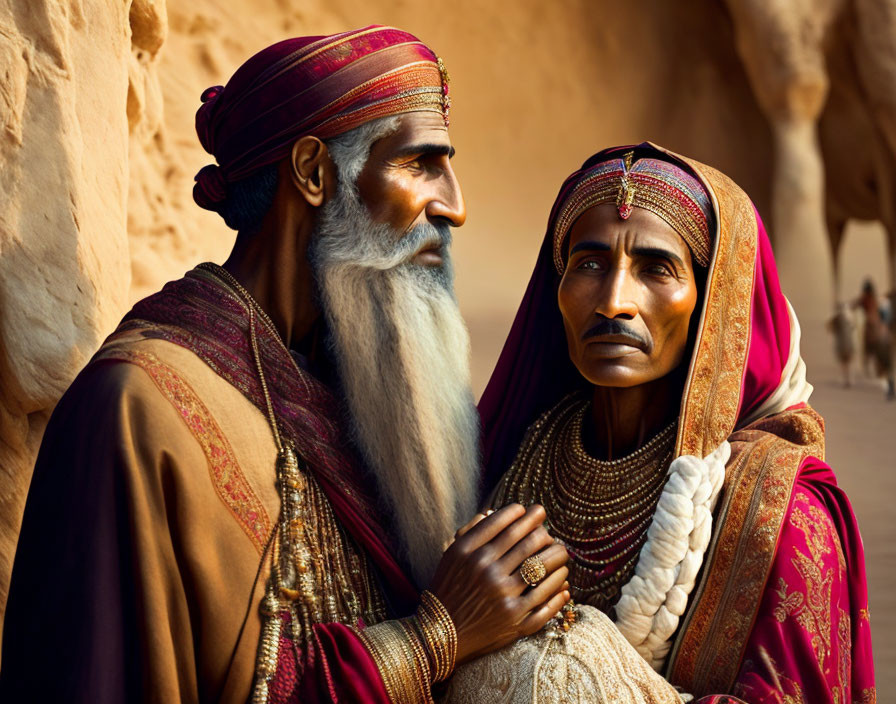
(589, 264)
(415, 164)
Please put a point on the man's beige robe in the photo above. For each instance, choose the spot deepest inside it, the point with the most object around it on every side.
(190, 462)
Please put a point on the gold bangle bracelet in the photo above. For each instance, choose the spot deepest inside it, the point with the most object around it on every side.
(439, 635)
(424, 681)
(401, 660)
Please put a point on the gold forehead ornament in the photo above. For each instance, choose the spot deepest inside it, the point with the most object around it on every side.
(625, 196)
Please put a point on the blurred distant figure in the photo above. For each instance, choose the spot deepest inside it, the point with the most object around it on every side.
(890, 317)
(843, 326)
(876, 339)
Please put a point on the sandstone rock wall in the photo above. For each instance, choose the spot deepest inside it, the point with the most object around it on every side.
(66, 67)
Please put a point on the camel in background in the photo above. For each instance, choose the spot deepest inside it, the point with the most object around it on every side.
(824, 74)
(860, 166)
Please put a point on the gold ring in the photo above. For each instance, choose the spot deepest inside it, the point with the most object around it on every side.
(533, 570)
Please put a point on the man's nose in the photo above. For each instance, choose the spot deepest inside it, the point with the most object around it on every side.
(617, 298)
(448, 201)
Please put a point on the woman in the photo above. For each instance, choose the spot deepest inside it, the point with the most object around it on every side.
(733, 564)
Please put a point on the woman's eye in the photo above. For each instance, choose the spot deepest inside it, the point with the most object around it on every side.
(658, 270)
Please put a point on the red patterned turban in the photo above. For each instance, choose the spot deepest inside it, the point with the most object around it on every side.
(657, 185)
(311, 85)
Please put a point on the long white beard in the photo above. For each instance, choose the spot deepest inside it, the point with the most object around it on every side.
(403, 356)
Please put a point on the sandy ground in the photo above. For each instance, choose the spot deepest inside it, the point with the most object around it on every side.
(861, 447)
(860, 424)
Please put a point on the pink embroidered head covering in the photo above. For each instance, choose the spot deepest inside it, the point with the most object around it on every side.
(653, 184)
(742, 344)
(311, 85)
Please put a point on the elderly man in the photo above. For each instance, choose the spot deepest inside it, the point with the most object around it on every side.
(652, 397)
(245, 490)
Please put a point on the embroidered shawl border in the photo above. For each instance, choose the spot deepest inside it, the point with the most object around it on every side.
(712, 393)
(759, 484)
(227, 477)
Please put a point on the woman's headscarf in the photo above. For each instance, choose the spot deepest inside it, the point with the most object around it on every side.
(743, 401)
(746, 351)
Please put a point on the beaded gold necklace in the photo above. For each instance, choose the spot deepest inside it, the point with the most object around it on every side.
(599, 509)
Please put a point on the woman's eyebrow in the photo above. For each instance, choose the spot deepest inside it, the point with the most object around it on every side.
(658, 252)
(588, 244)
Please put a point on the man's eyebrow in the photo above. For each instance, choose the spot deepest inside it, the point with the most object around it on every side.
(425, 149)
(588, 244)
(660, 253)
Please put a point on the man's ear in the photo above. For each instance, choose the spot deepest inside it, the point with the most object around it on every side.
(313, 171)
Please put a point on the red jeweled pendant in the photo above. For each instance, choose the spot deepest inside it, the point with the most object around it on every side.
(625, 210)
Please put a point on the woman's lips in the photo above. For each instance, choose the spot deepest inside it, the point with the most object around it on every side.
(609, 350)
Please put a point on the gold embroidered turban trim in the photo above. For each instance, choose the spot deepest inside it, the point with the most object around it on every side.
(652, 184)
(323, 86)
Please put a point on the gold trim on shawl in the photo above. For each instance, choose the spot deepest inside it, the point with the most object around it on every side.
(765, 461)
(712, 392)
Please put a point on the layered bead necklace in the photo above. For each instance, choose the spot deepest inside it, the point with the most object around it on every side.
(599, 509)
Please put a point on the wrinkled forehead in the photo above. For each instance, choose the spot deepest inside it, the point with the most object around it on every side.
(600, 228)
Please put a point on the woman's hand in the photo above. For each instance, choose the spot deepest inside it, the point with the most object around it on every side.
(479, 582)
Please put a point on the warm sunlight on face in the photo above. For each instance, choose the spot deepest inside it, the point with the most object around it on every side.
(626, 297)
(408, 179)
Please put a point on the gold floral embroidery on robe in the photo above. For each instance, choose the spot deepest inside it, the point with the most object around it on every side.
(815, 618)
(231, 485)
(790, 602)
(812, 609)
(868, 696)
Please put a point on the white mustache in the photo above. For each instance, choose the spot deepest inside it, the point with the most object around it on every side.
(388, 253)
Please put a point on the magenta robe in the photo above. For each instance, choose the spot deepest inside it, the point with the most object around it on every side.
(811, 639)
